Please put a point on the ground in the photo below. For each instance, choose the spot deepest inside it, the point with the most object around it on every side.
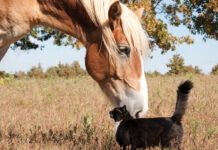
(59, 113)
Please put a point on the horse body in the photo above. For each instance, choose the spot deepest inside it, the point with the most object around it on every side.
(114, 47)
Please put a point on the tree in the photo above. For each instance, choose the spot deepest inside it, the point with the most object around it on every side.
(3, 74)
(176, 65)
(36, 72)
(197, 70)
(65, 70)
(52, 72)
(153, 74)
(191, 69)
(77, 68)
(199, 16)
(215, 70)
(19, 74)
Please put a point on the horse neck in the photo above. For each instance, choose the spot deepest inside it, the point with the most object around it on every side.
(68, 16)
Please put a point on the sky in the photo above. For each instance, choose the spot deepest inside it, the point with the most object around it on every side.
(201, 54)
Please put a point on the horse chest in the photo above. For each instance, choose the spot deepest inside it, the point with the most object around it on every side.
(2, 36)
(10, 34)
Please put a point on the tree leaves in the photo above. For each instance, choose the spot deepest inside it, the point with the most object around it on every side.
(177, 67)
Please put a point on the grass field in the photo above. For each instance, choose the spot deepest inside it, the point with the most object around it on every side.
(72, 113)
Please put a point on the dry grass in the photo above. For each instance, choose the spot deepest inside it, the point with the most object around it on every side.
(73, 113)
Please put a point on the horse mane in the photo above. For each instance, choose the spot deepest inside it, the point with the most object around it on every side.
(132, 28)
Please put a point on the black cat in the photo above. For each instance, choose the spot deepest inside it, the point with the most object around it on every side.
(166, 132)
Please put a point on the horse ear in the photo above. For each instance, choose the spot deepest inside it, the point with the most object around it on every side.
(114, 14)
(139, 12)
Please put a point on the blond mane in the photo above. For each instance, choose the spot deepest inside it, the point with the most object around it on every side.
(132, 28)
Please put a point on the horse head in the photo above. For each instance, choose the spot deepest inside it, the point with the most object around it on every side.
(114, 58)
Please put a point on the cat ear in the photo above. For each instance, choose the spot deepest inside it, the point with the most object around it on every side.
(124, 108)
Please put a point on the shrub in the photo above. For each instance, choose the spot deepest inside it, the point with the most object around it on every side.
(176, 65)
(77, 68)
(62, 70)
(2, 74)
(19, 74)
(191, 69)
(65, 70)
(52, 72)
(153, 74)
(36, 72)
(215, 70)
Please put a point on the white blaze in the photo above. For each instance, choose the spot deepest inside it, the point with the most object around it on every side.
(136, 101)
(143, 91)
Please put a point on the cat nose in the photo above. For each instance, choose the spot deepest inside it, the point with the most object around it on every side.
(111, 114)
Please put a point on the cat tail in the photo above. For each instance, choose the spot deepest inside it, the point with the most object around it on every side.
(182, 100)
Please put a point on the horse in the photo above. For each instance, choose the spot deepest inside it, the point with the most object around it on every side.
(112, 34)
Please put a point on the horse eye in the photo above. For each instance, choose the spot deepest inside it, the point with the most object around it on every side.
(124, 49)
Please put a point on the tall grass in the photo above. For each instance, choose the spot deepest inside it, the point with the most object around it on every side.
(58, 113)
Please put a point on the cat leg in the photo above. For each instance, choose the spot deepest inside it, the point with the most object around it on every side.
(174, 144)
(124, 147)
(133, 147)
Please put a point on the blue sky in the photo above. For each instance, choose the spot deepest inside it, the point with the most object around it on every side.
(201, 54)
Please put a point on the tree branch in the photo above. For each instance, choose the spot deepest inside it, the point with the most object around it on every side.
(157, 3)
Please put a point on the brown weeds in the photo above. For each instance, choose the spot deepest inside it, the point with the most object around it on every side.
(71, 113)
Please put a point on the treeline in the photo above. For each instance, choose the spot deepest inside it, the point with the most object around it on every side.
(62, 70)
(176, 67)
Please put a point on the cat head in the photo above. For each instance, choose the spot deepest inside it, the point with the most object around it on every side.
(120, 113)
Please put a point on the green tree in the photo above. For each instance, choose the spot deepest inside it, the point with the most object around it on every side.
(199, 16)
(215, 70)
(176, 65)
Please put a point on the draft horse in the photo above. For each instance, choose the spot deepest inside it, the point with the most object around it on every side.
(111, 33)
